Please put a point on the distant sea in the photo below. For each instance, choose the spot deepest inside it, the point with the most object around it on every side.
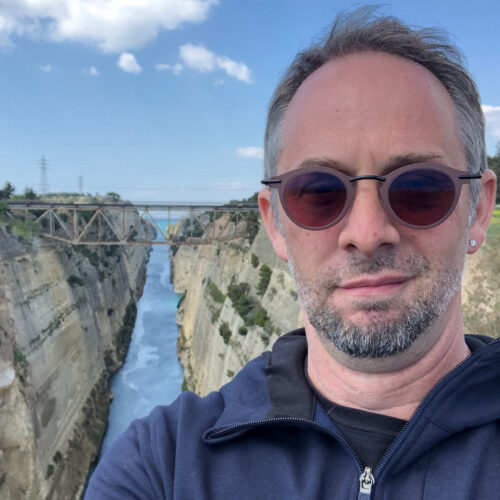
(151, 374)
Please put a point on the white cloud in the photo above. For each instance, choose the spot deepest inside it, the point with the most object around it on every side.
(251, 152)
(93, 71)
(175, 69)
(46, 68)
(113, 26)
(492, 116)
(219, 82)
(236, 69)
(199, 58)
(491, 112)
(128, 63)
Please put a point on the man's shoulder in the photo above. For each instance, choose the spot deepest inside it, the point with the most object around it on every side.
(142, 458)
(247, 389)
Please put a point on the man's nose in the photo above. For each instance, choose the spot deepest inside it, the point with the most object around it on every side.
(367, 226)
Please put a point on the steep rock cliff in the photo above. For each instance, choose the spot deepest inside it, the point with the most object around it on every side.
(66, 315)
(220, 331)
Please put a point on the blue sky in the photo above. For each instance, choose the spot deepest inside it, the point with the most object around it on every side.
(165, 100)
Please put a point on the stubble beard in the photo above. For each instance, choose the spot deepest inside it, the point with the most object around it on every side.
(381, 338)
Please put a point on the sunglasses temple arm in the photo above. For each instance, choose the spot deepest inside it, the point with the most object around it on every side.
(471, 176)
(269, 182)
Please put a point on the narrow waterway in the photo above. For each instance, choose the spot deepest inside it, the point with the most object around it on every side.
(151, 374)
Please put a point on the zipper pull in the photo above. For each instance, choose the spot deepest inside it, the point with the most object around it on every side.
(366, 482)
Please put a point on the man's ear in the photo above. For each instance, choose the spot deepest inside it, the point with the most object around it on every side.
(485, 209)
(273, 232)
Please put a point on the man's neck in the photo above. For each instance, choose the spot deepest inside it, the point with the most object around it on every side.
(394, 392)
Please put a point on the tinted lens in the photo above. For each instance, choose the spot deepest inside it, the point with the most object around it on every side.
(422, 197)
(315, 199)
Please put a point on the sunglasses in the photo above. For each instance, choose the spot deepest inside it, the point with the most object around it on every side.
(420, 196)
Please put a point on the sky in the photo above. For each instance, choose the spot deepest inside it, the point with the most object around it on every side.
(166, 100)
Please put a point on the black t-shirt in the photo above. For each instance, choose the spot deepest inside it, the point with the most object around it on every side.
(370, 434)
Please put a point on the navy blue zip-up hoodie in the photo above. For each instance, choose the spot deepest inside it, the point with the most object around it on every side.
(264, 436)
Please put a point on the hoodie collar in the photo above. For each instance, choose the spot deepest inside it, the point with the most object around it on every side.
(273, 386)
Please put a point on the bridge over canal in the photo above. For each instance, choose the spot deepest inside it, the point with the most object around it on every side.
(124, 223)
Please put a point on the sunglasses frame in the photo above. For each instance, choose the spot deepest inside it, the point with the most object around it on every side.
(458, 177)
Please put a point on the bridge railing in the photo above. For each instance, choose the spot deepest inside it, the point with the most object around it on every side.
(136, 224)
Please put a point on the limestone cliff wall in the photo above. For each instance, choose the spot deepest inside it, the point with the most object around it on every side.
(209, 361)
(66, 315)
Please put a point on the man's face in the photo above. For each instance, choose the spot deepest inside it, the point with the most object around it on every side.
(368, 284)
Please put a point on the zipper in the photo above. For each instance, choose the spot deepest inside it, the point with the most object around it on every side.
(366, 482)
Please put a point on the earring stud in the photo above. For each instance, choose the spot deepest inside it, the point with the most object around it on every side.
(472, 243)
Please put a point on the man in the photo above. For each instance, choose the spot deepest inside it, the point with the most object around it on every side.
(375, 161)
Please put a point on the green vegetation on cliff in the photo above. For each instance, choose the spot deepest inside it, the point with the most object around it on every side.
(225, 332)
(22, 229)
(264, 278)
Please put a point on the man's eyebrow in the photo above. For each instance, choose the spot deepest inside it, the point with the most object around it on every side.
(324, 162)
(393, 163)
(409, 159)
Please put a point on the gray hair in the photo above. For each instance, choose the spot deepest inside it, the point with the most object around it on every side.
(359, 31)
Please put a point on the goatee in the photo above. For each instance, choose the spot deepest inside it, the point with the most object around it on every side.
(381, 338)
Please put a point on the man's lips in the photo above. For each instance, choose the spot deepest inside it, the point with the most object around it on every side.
(375, 285)
(373, 282)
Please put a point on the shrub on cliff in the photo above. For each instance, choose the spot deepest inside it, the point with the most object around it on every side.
(225, 332)
(75, 281)
(264, 278)
(261, 317)
(243, 303)
(215, 293)
(254, 260)
(24, 229)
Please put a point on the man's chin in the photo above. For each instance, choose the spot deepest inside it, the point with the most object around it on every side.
(379, 314)
(372, 333)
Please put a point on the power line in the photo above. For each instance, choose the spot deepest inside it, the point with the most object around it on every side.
(44, 181)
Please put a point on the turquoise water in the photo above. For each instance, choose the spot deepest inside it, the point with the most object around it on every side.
(151, 374)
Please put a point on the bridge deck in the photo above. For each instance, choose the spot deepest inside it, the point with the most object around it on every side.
(135, 224)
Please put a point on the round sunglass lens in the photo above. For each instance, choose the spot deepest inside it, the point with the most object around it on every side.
(422, 197)
(315, 199)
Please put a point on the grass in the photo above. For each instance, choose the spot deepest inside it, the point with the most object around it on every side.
(25, 230)
(494, 229)
(215, 293)
(482, 310)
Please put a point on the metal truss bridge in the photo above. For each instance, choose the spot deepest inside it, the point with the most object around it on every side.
(135, 224)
